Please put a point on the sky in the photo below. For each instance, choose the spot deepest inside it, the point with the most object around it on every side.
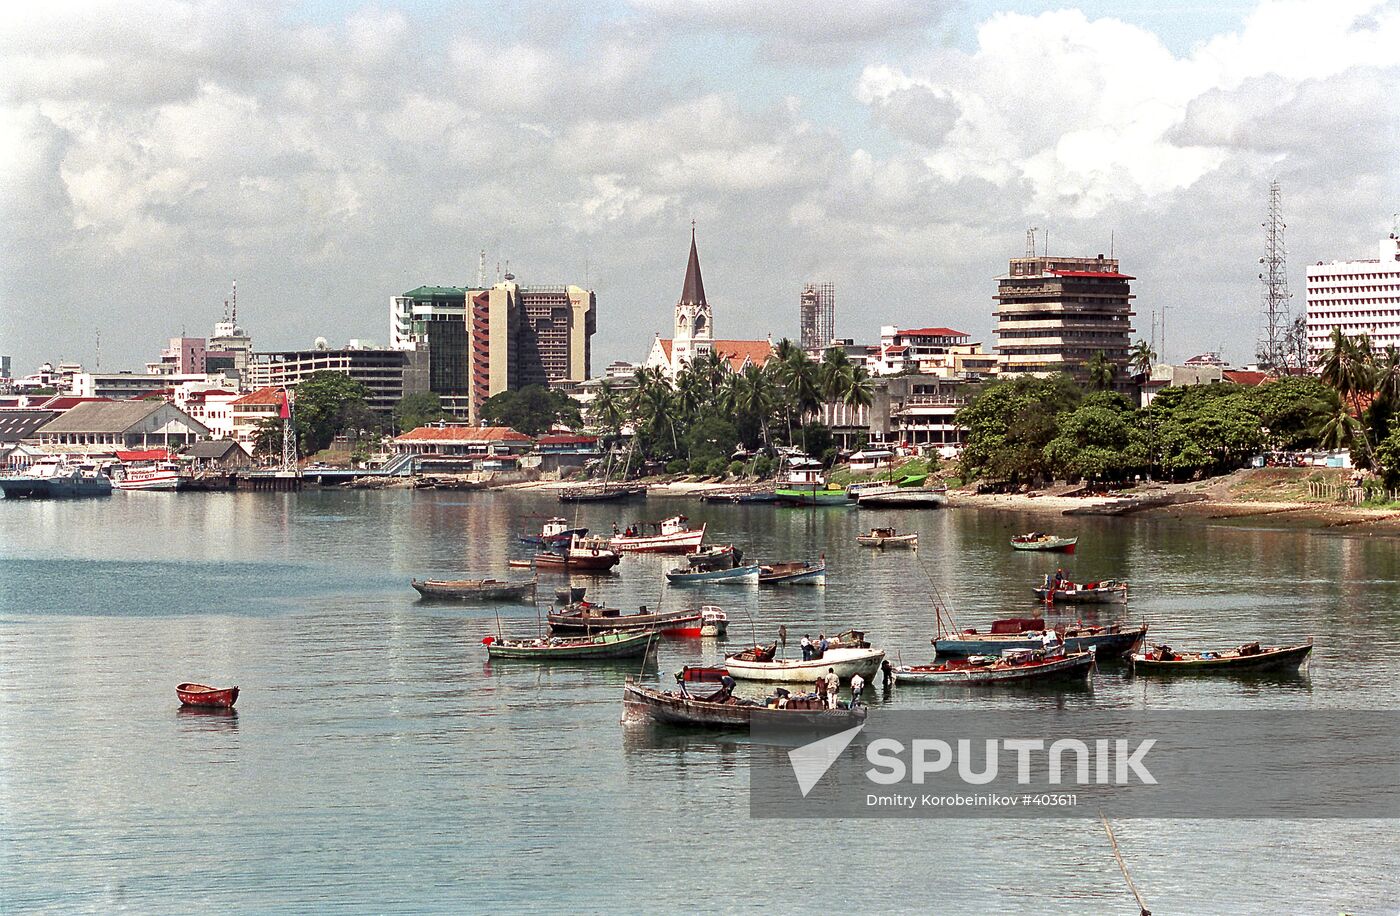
(328, 156)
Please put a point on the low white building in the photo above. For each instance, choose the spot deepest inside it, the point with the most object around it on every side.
(103, 427)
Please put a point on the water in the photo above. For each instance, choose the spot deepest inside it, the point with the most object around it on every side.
(376, 762)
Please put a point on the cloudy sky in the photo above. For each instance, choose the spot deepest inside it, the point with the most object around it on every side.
(329, 155)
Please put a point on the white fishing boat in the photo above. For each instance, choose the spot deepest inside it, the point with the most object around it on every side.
(156, 476)
(674, 535)
(758, 665)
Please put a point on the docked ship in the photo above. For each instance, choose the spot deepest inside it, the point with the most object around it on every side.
(56, 478)
(154, 476)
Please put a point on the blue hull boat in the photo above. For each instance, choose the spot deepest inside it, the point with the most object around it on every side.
(739, 575)
(62, 486)
(1107, 642)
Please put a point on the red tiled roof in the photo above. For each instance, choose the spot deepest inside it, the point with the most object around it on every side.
(740, 351)
(201, 395)
(931, 332)
(150, 454)
(666, 348)
(1245, 377)
(463, 434)
(268, 395)
(1101, 274)
(897, 348)
(65, 402)
(566, 439)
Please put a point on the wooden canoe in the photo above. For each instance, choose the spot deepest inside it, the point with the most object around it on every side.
(793, 574)
(1109, 641)
(594, 618)
(203, 695)
(572, 648)
(475, 589)
(1108, 591)
(1033, 666)
(887, 537)
(717, 707)
(1248, 658)
(845, 662)
(1046, 542)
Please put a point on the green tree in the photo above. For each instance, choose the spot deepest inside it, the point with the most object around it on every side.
(712, 436)
(1141, 357)
(419, 409)
(328, 403)
(1101, 440)
(607, 412)
(1101, 372)
(532, 410)
(1009, 423)
(1204, 429)
(1292, 408)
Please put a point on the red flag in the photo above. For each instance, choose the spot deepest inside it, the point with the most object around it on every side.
(284, 410)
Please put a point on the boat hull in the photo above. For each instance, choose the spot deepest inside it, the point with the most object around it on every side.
(1070, 668)
(668, 622)
(1059, 545)
(210, 697)
(899, 542)
(680, 542)
(846, 662)
(739, 575)
(20, 487)
(1287, 658)
(1105, 645)
(896, 498)
(648, 704)
(602, 562)
(1115, 595)
(494, 591)
(813, 576)
(156, 482)
(613, 645)
(795, 497)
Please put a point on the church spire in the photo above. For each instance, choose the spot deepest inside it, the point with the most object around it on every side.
(693, 293)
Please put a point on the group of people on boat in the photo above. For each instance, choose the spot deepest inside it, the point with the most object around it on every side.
(813, 650)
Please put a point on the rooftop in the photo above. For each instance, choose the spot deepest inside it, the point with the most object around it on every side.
(463, 434)
(103, 417)
(17, 424)
(932, 332)
(268, 395)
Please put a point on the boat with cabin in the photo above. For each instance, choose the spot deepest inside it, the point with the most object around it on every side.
(1250, 657)
(1036, 540)
(1062, 591)
(151, 475)
(555, 532)
(572, 648)
(56, 478)
(760, 663)
(806, 484)
(475, 589)
(798, 573)
(586, 617)
(673, 535)
(1013, 667)
(888, 537)
(583, 554)
(1108, 641)
(703, 699)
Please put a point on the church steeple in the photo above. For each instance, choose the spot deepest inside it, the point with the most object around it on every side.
(693, 292)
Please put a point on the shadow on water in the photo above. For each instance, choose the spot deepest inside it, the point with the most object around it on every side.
(207, 718)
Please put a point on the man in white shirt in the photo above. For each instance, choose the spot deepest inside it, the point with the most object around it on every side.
(857, 685)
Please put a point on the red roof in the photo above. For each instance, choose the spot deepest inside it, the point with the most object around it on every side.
(931, 332)
(201, 395)
(463, 434)
(268, 395)
(1245, 377)
(150, 454)
(740, 351)
(1101, 274)
(898, 348)
(566, 439)
(64, 402)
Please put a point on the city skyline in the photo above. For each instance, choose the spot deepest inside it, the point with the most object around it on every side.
(158, 152)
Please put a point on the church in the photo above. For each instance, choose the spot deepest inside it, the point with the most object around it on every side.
(694, 330)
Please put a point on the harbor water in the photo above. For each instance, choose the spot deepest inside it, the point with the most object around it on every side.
(377, 762)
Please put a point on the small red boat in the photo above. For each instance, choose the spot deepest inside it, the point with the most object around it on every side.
(201, 695)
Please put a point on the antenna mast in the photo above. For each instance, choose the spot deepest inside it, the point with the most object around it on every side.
(481, 270)
(1030, 241)
(1273, 350)
(233, 315)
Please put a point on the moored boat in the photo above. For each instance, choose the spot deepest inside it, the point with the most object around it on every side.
(704, 700)
(896, 497)
(582, 555)
(1108, 641)
(714, 622)
(806, 485)
(716, 556)
(674, 535)
(586, 617)
(152, 476)
(887, 537)
(759, 664)
(555, 532)
(56, 478)
(1035, 540)
(1105, 591)
(801, 573)
(1016, 667)
(597, 493)
(1247, 658)
(570, 648)
(203, 695)
(475, 589)
(738, 575)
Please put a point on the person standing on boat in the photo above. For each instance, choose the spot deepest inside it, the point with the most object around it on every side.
(1050, 642)
(833, 687)
(806, 648)
(857, 685)
(822, 645)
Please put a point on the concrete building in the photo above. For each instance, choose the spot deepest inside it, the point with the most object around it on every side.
(481, 342)
(694, 330)
(908, 411)
(128, 385)
(249, 411)
(103, 427)
(1054, 314)
(1360, 297)
(943, 352)
(211, 406)
(192, 356)
(387, 374)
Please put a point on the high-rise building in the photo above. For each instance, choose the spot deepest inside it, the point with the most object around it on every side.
(1056, 314)
(387, 374)
(480, 342)
(817, 316)
(1360, 297)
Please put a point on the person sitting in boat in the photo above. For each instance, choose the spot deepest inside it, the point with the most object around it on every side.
(1059, 577)
(1165, 654)
(1050, 642)
(821, 647)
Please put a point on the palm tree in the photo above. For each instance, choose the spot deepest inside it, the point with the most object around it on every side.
(834, 374)
(860, 392)
(1349, 368)
(1339, 430)
(1101, 372)
(753, 396)
(1141, 357)
(607, 411)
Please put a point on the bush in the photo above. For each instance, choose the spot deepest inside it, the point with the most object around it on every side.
(716, 467)
(736, 469)
(676, 466)
(698, 465)
(763, 465)
(829, 456)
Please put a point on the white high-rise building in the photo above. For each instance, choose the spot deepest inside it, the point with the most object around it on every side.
(1360, 297)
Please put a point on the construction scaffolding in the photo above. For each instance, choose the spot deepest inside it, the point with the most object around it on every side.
(817, 315)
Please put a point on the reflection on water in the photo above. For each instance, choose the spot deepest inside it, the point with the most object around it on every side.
(378, 761)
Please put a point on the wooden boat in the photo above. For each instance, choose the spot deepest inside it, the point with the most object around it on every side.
(475, 589)
(553, 533)
(704, 700)
(802, 573)
(716, 556)
(1109, 641)
(895, 497)
(1247, 658)
(806, 485)
(674, 535)
(1106, 591)
(593, 618)
(569, 594)
(1015, 668)
(582, 555)
(597, 493)
(738, 575)
(202, 695)
(572, 648)
(1037, 541)
(887, 537)
(714, 622)
(758, 664)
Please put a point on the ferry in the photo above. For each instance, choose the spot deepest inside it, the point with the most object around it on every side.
(162, 476)
(56, 478)
(674, 535)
